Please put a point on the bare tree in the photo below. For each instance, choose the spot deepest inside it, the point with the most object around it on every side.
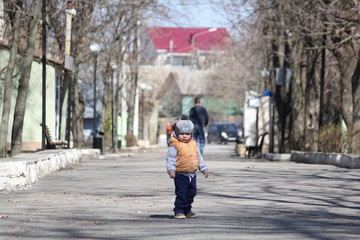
(17, 130)
(8, 79)
(346, 15)
(293, 34)
(134, 75)
(112, 37)
(81, 29)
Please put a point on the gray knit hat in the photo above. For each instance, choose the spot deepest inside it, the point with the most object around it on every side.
(184, 125)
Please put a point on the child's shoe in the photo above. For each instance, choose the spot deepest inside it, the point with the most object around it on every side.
(179, 216)
(191, 215)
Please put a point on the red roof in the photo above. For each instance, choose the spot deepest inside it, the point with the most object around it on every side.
(205, 39)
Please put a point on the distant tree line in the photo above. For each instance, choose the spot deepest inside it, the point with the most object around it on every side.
(114, 25)
(318, 41)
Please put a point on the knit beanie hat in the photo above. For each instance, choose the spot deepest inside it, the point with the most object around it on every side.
(184, 125)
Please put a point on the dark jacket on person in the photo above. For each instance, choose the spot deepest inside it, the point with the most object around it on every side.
(199, 116)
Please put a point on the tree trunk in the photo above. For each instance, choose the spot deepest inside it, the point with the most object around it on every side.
(4, 127)
(77, 125)
(355, 133)
(115, 112)
(120, 79)
(134, 81)
(78, 131)
(78, 112)
(347, 61)
(105, 102)
(297, 126)
(17, 130)
(349, 67)
(311, 103)
(84, 10)
(78, 121)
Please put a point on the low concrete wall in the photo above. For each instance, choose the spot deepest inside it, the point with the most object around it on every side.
(337, 159)
(26, 168)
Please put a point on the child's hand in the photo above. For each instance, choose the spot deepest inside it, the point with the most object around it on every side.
(172, 175)
(206, 174)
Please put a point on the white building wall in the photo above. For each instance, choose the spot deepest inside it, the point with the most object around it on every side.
(250, 119)
(264, 120)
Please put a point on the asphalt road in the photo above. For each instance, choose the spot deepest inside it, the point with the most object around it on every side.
(132, 198)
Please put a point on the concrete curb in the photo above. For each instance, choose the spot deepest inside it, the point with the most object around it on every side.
(25, 169)
(115, 155)
(277, 157)
(337, 159)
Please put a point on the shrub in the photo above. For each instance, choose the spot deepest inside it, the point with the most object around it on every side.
(130, 140)
(332, 139)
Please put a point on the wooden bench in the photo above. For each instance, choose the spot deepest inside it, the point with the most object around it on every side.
(256, 150)
(53, 144)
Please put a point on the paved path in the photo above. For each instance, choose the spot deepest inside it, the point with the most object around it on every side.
(132, 198)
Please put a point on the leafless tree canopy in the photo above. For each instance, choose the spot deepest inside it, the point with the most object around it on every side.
(317, 40)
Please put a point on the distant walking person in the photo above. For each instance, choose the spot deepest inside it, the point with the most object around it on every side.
(199, 116)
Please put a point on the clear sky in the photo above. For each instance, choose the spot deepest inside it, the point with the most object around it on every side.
(195, 13)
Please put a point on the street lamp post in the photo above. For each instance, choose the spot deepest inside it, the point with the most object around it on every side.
(95, 49)
(196, 35)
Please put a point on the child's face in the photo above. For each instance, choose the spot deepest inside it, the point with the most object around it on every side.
(184, 137)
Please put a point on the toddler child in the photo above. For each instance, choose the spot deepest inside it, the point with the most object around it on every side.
(182, 161)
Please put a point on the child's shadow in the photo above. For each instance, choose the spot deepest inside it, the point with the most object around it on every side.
(162, 216)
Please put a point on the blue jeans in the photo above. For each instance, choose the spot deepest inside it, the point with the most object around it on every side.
(199, 137)
(185, 190)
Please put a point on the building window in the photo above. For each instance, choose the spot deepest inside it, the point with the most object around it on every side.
(179, 62)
